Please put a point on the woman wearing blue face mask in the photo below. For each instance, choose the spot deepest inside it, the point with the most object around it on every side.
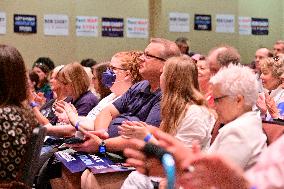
(122, 73)
(99, 87)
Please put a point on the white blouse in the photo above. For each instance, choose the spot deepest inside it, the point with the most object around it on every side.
(196, 125)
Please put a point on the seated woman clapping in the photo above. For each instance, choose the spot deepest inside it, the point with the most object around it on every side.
(73, 82)
(271, 101)
(119, 75)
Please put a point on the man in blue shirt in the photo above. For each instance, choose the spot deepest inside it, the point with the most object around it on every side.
(140, 103)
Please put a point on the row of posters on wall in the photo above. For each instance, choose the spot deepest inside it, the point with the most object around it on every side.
(58, 25)
(225, 23)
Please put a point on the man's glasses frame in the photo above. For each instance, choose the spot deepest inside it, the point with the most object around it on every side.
(148, 56)
(113, 68)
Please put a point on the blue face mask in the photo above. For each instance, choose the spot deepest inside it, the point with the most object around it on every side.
(108, 78)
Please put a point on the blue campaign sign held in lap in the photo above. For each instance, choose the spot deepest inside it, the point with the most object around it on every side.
(78, 162)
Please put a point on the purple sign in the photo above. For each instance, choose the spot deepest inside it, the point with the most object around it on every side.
(78, 162)
(112, 27)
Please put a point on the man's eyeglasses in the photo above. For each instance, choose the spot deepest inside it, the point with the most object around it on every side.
(113, 68)
(148, 56)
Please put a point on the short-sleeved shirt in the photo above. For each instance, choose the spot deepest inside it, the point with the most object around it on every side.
(137, 104)
(16, 125)
(85, 103)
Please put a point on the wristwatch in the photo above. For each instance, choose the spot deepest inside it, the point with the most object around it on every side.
(102, 148)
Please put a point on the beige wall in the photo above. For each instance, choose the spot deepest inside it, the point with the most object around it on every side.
(66, 49)
(203, 41)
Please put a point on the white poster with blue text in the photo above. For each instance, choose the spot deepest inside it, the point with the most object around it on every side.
(137, 28)
(225, 23)
(2, 22)
(178, 22)
(56, 25)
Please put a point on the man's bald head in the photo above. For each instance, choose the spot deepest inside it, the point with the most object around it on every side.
(222, 56)
(259, 55)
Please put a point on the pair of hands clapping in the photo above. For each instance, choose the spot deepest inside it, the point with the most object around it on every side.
(134, 129)
(266, 103)
(66, 112)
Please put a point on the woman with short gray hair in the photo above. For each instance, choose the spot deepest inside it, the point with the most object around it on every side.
(241, 139)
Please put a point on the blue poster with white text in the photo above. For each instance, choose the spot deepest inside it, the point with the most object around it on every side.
(112, 27)
(25, 23)
(79, 161)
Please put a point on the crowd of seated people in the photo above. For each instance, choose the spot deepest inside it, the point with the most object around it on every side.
(207, 111)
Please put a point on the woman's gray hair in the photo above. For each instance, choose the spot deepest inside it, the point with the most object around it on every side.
(237, 80)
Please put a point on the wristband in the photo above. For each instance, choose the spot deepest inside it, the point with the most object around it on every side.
(148, 137)
(77, 125)
(33, 104)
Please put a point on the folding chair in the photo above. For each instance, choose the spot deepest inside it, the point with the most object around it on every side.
(30, 166)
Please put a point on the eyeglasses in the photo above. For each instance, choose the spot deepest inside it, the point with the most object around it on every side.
(276, 58)
(217, 99)
(148, 56)
(113, 68)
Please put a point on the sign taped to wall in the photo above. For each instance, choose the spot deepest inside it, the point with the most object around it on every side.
(25, 23)
(112, 27)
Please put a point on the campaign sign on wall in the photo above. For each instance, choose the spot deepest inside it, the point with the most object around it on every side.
(225, 23)
(56, 24)
(202, 22)
(112, 27)
(178, 22)
(77, 162)
(259, 26)
(2, 22)
(244, 25)
(137, 28)
(87, 26)
(25, 23)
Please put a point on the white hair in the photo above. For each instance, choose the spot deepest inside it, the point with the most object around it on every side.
(237, 80)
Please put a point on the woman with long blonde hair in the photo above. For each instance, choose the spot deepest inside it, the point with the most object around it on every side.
(180, 90)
